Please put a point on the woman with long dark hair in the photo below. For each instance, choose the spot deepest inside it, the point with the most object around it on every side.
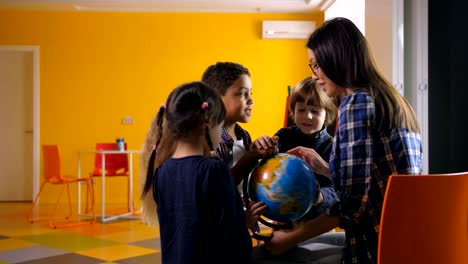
(377, 136)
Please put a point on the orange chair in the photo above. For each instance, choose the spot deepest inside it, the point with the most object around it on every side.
(53, 175)
(115, 165)
(425, 219)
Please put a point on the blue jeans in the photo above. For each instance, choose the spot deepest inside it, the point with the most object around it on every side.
(324, 249)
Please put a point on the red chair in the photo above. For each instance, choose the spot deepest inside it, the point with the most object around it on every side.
(425, 219)
(115, 164)
(53, 175)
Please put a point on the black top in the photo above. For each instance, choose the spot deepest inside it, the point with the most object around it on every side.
(321, 142)
(200, 213)
(291, 137)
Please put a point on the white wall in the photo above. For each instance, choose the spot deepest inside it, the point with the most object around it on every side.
(352, 10)
(379, 34)
(374, 19)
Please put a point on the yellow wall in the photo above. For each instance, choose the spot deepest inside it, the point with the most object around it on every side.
(96, 68)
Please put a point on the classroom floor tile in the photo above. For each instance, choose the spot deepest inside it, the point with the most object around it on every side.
(115, 242)
(11, 243)
(149, 243)
(70, 258)
(68, 241)
(154, 258)
(29, 253)
(117, 252)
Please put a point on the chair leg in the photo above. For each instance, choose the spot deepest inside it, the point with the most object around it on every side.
(87, 197)
(31, 212)
(69, 203)
(52, 214)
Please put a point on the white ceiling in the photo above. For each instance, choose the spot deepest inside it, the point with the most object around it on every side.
(231, 6)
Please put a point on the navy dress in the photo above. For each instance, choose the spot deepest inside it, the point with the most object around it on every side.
(200, 213)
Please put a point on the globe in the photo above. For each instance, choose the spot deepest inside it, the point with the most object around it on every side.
(286, 184)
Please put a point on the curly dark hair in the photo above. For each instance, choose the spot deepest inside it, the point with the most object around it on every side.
(221, 75)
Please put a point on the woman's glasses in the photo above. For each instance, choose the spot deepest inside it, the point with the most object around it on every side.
(314, 68)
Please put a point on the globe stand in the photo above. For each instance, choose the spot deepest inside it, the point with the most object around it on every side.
(275, 225)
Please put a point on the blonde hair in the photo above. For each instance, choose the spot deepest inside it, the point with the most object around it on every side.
(148, 203)
(308, 92)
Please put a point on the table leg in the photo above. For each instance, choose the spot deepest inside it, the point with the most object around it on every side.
(79, 184)
(103, 189)
(130, 182)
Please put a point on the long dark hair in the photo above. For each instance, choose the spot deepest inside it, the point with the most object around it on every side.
(343, 55)
(186, 108)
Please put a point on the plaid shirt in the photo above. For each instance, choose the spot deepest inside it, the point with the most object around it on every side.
(362, 159)
(225, 151)
(225, 148)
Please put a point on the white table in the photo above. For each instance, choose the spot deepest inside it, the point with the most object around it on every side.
(103, 153)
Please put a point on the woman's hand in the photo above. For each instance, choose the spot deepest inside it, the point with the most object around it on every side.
(311, 157)
(254, 211)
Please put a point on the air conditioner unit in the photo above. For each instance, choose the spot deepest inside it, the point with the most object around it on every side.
(281, 29)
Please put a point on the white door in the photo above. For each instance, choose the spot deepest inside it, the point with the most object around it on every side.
(16, 132)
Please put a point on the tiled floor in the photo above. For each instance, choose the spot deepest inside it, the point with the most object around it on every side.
(127, 241)
(121, 241)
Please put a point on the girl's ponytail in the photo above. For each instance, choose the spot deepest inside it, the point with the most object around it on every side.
(153, 139)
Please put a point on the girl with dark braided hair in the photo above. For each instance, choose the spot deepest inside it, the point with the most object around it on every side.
(201, 219)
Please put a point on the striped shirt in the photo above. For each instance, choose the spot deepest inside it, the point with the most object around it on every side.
(361, 162)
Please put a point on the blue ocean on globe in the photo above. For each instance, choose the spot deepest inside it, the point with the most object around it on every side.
(286, 184)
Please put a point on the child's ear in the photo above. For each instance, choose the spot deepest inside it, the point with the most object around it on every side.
(291, 114)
